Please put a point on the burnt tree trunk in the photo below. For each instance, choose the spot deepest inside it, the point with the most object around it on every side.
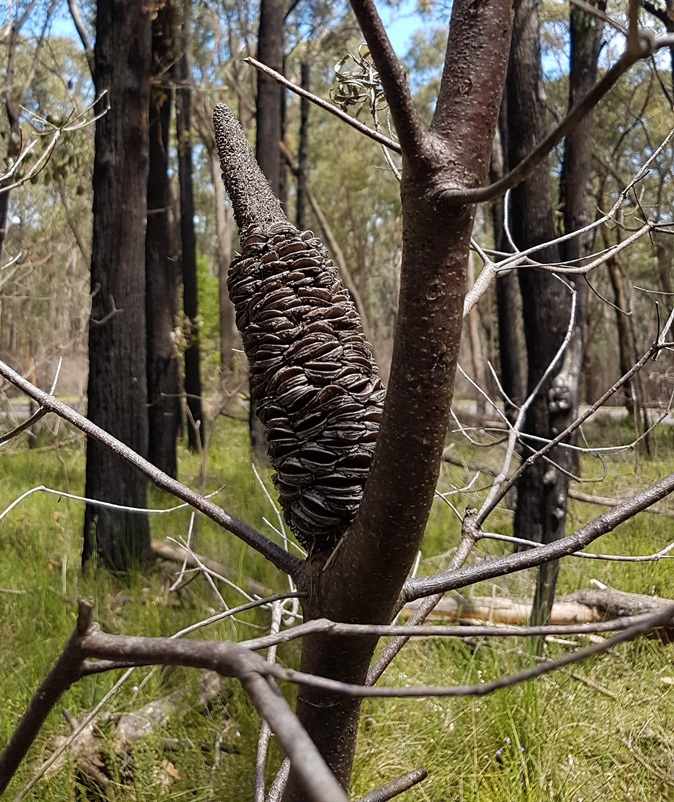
(268, 134)
(303, 150)
(163, 384)
(546, 303)
(117, 390)
(188, 249)
(508, 305)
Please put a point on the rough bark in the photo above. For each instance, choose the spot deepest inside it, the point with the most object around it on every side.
(160, 259)
(368, 568)
(195, 423)
(117, 390)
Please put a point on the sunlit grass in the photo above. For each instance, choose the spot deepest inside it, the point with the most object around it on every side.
(557, 739)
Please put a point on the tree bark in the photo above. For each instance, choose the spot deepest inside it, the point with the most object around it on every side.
(368, 567)
(117, 390)
(268, 111)
(546, 305)
(163, 385)
(303, 150)
(195, 425)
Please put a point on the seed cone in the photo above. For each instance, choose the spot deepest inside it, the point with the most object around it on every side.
(313, 374)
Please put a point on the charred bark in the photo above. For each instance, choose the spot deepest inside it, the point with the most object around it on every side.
(268, 134)
(117, 390)
(163, 387)
(195, 424)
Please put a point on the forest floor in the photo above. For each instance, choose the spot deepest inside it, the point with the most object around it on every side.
(601, 730)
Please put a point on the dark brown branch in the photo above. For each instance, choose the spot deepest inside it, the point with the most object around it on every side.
(395, 787)
(393, 80)
(607, 522)
(540, 152)
(323, 626)
(323, 104)
(65, 671)
(649, 623)
(309, 766)
(276, 555)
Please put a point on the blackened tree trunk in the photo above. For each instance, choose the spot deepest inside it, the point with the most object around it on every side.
(508, 305)
(268, 134)
(117, 390)
(546, 302)
(163, 386)
(188, 243)
(303, 150)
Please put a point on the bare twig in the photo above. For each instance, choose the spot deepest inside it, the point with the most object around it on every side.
(276, 555)
(396, 787)
(500, 566)
(325, 105)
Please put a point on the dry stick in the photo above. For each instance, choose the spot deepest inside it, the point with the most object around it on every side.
(469, 536)
(324, 104)
(338, 629)
(276, 555)
(649, 623)
(488, 508)
(501, 566)
(396, 787)
(279, 784)
(100, 666)
(65, 671)
(308, 764)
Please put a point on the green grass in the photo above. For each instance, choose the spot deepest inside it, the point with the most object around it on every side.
(556, 739)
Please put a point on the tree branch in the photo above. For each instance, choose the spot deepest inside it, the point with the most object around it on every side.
(325, 105)
(276, 555)
(396, 787)
(393, 80)
(539, 153)
(83, 34)
(607, 522)
(65, 671)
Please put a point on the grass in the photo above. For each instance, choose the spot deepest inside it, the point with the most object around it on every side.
(556, 739)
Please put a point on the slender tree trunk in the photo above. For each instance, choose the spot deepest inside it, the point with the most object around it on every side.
(188, 243)
(303, 150)
(117, 390)
(268, 111)
(224, 230)
(163, 384)
(512, 360)
(546, 305)
(366, 571)
(476, 352)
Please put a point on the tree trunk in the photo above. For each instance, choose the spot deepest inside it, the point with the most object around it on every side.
(546, 305)
(163, 385)
(508, 305)
(195, 424)
(303, 150)
(268, 110)
(117, 390)
(224, 230)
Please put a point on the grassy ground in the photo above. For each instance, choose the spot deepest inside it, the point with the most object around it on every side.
(602, 731)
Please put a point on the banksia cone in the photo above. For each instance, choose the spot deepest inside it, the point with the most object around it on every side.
(313, 374)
